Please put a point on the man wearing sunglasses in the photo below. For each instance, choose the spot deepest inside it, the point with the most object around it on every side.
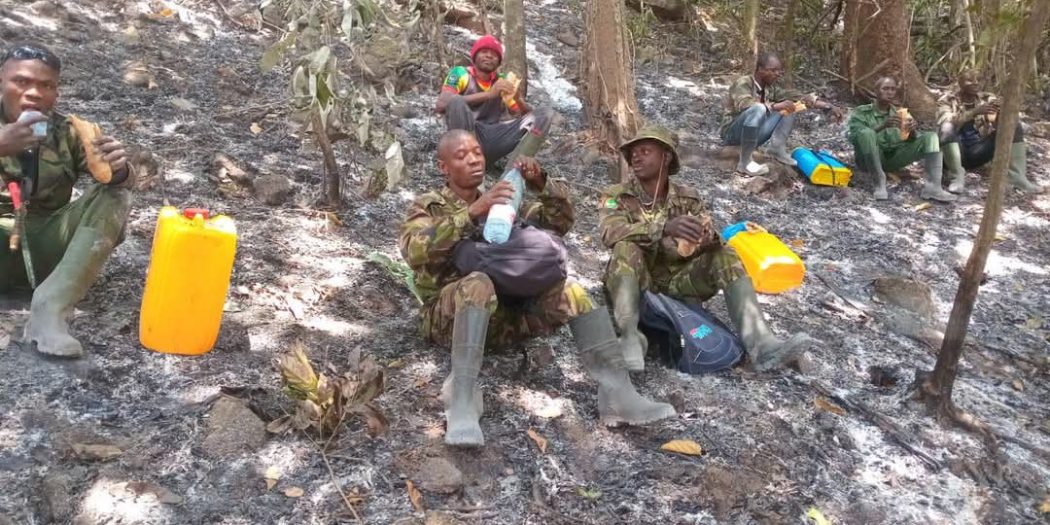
(41, 158)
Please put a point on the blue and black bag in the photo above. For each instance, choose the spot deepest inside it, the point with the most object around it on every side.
(689, 337)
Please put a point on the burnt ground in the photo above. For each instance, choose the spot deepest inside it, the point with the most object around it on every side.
(770, 453)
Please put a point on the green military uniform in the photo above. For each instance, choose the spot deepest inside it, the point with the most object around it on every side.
(436, 222)
(641, 251)
(52, 219)
(893, 152)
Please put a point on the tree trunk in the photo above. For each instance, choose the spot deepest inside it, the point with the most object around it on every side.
(787, 36)
(514, 41)
(877, 44)
(607, 76)
(750, 33)
(938, 387)
(332, 181)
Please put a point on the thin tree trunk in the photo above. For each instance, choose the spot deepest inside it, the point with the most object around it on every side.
(938, 387)
(750, 32)
(970, 41)
(514, 39)
(332, 180)
(607, 76)
(787, 36)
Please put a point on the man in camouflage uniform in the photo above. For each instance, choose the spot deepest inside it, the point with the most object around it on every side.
(757, 111)
(875, 131)
(967, 131)
(465, 312)
(68, 241)
(643, 221)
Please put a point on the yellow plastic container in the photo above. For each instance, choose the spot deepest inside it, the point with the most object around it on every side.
(770, 263)
(186, 284)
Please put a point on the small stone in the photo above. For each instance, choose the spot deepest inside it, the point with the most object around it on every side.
(438, 475)
(273, 189)
(232, 429)
(914, 296)
(57, 505)
(569, 39)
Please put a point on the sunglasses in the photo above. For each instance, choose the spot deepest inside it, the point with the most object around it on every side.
(33, 53)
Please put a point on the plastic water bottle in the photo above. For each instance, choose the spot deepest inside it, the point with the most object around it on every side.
(501, 216)
(39, 128)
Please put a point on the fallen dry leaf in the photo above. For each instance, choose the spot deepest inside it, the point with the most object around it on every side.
(271, 476)
(923, 206)
(255, 128)
(376, 421)
(797, 243)
(293, 492)
(162, 494)
(1018, 385)
(541, 442)
(279, 425)
(414, 496)
(1044, 507)
(96, 451)
(823, 404)
(682, 446)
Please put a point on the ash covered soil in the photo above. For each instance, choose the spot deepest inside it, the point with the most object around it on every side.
(131, 436)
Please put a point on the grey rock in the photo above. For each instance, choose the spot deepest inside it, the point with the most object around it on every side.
(272, 189)
(232, 429)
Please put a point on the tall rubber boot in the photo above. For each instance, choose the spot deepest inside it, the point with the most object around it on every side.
(765, 350)
(748, 144)
(54, 300)
(953, 159)
(600, 352)
(933, 165)
(873, 165)
(533, 140)
(1018, 172)
(463, 403)
(626, 303)
(778, 142)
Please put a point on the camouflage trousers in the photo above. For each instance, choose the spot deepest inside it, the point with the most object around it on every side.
(511, 321)
(694, 280)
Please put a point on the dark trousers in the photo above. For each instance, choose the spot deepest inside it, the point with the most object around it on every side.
(497, 138)
(977, 153)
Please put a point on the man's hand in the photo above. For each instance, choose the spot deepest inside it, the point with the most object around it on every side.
(788, 105)
(987, 109)
(112, 151)
(892, 121)
(18, 137)
(532, 172)
(696, 230)
(911, 126)
(500, 193)
(501, 87)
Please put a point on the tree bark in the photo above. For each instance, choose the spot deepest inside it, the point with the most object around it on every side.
(750, 32)
(877, 34)
(787, 36)
(514, 41)
(607, 76)
(938, 387)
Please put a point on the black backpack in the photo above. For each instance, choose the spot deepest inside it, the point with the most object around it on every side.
(689, 337)
(529, 263)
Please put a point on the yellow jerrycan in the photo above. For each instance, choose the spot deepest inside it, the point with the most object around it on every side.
(772, 266)
(186, 284)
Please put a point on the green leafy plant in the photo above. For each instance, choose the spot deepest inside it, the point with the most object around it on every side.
(399, 270)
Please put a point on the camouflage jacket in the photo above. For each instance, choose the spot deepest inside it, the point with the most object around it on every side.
(62, 162)
(744, 92)
(952, 110)
(623, 217)
(438, 220)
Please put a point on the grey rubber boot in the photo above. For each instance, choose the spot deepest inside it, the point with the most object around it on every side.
(600, 352)
(778, 142)
(626, 304)
(933, 165)
(54, 300)
(1018, 172)
(748, 144)
(953, 159)
(463, 403)
(873, 165)
(765, 350)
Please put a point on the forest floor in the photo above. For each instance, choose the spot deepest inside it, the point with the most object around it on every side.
(126, 435)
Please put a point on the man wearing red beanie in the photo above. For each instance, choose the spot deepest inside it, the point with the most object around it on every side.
(479, 99)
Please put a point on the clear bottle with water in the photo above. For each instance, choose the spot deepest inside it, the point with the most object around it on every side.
(501, 216)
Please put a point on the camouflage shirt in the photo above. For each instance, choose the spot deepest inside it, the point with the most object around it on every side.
(438, 220)
(624, 218)
(952, 110)
(745, 92)
(62, 162)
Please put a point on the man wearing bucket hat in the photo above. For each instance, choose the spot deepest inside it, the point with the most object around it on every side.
(466, 310)
(758, 110)
(662, 239)
(480, 99)
(66, 241)
(967, 131)
(882, 142)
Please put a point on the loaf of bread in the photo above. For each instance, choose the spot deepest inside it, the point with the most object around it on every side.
(905, 117)
(686, 248)
(87, 132)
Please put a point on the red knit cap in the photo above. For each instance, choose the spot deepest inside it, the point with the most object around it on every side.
(487, 42)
